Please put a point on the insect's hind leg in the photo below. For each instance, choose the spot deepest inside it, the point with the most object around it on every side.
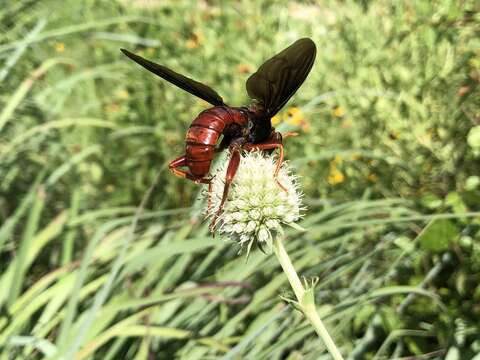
(182, 161)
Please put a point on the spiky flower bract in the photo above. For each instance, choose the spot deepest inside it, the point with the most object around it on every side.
(256, 207)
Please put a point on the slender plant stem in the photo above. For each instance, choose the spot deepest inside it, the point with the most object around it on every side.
(305, 298)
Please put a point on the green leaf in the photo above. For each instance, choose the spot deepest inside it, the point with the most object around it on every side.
(431, 201)
(30, 230)
(453, 354)
(454, 200)
(473, 137)
(472, 183)
(438, 235)
(43, 345)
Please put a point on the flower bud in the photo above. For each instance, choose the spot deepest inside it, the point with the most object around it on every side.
(256, 205)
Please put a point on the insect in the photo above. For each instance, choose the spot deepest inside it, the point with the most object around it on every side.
(244, 128)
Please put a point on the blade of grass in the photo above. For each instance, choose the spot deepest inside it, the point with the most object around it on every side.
(20, 49)
(72, 29)
(68, 248)
(74, 160)
(27, 238)
(42, 345)
(40, 239)
(25, 86)
(8, 226)
(56, 124)
(116, 267)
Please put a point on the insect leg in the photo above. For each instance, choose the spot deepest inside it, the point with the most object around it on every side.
(182, 161)
(289, 134)
(231, 171)
(209, 198)
(270, 145)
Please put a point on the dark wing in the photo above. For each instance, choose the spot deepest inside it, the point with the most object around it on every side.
(279, 78)
(193, 87)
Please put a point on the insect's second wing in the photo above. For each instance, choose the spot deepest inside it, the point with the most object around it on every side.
(279, 78)
(193, 87)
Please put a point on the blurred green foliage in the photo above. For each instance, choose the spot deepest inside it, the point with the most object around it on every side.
(388, 153)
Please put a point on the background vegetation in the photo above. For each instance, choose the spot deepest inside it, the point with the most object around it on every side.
(388, 155)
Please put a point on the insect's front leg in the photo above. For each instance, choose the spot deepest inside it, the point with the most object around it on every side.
(273, 143)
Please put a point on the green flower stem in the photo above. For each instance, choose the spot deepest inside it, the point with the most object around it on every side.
(305, 298)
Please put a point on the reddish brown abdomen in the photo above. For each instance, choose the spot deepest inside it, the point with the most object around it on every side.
(202, 137)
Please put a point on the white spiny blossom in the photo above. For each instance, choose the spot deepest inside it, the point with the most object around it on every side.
(256, 206)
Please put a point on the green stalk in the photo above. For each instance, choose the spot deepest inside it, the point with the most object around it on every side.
(306, 301)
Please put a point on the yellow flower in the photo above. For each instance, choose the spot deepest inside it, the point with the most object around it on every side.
(191, 44)
(276, 120)
(355, 156)
(59, 47)
(335, 176)
(372, 177)
(338, 112)
(196, 40)
(294, 116)
(338, 159)
(244, 68)
(123, 94)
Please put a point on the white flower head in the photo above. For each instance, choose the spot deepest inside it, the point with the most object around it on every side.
(256, 206)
